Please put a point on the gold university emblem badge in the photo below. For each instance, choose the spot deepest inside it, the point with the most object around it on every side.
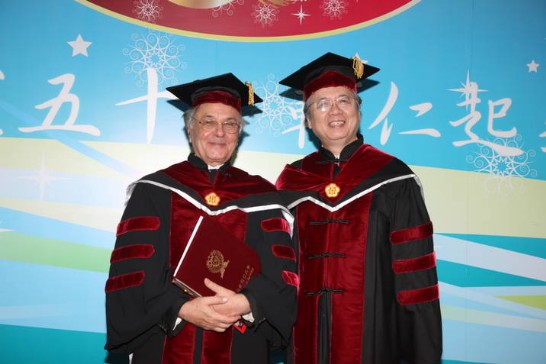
(212, 199)
(216, 262)
(332, 190)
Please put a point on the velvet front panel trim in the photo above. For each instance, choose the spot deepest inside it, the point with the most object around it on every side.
(333, 257)
(216, 346)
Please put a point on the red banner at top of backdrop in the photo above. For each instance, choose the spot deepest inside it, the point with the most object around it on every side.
(254, 18)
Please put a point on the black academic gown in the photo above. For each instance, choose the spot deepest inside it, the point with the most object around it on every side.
(141, 302)
(369, 290)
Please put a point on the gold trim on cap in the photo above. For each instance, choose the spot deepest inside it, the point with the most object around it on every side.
(358, 66)
(250, 93)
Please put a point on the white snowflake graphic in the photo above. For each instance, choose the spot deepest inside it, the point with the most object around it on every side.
(499, 167)
(265, 14)
(147, 10)
(227, 8)
(279, 113)
(334, 8)
(157, 51)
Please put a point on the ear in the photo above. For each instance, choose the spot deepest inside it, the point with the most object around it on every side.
(189, 134)
(308, 123)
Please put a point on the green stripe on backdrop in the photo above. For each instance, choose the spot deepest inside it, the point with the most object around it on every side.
(33, 249)
(532, 301)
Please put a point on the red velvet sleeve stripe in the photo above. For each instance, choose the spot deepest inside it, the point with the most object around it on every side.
(124, 281)
(412, 265)
(291, 278)
(413, 233)
(275, 224)
(138, 223)
(134, 251)
(283, 251)
(421, 295)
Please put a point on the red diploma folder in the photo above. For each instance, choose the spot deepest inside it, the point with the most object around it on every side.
(215, 253)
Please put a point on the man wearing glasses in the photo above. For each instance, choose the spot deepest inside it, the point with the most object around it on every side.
(368, 284)
(150, 318)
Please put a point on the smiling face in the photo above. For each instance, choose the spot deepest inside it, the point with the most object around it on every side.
(336, 126)
(214, 146)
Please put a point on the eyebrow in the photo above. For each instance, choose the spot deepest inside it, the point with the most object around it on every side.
(335, 97)
(213, 118)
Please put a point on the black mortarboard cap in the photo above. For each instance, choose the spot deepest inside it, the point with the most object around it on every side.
(225, 88)
(329, 70)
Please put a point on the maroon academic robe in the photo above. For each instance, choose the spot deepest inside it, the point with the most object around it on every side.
(368, 290)
(142, 303)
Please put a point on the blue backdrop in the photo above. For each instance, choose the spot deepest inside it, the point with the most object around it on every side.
(84, 111)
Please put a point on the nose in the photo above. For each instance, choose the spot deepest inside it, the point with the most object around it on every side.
(219, 129)
(334, 108)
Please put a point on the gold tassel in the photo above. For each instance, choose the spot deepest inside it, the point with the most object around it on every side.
(250, 93)
(358, 67)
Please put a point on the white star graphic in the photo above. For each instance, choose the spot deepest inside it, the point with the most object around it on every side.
(533, 66)
(42, 178)
(301, 14)
(79, 46)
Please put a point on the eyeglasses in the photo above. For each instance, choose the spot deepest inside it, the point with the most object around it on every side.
(343, 102)
(230, 127)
